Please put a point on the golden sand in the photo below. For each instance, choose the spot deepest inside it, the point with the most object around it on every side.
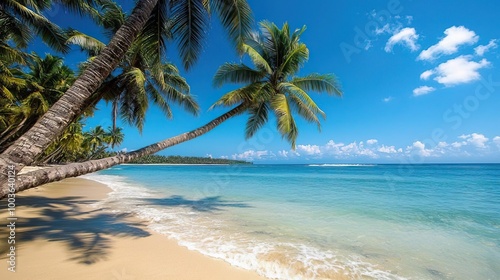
(61, 234)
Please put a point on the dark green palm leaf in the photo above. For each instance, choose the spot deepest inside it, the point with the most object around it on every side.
(236, 73)
(190, 21)
(156, 33)
(238, 96)
(50, 33)
(236, 17)
(258, 117)
(319, 83)
(158, 99)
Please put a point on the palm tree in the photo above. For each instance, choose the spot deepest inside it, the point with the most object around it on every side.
(141, 77)
(278, 56)
(43, 85)
(142, 74)
(95, 138)
(190, 22)
(69, 147)
(114, 136)
(272, 85)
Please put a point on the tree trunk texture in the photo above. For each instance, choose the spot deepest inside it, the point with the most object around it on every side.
(31, 144)
(44, 176)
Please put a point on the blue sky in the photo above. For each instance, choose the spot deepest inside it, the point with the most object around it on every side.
(420, 81)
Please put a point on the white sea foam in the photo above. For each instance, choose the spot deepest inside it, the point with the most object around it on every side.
(213, 236)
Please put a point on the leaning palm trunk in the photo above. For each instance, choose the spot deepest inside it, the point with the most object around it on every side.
(30, 145)
(44, 176)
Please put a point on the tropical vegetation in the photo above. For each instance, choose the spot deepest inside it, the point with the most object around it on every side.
(137, 51)
(159, 159)
(272, 85)
(189, 23)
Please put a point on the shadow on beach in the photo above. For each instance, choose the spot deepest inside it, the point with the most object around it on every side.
(207, 204)
(87, 234)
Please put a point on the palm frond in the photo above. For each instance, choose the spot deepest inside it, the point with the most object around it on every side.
(83, 7)
(305, 99)
(187, 101)
(13, 28)
(238, 96)
(155, 34)
(303, 110)
(294, 60)
(112, 17)
(85, 42)
(50, 33)
(257, 55)
(190, 20)
(158, 99)
(284, 116)
(134, 104)
(319, 83)
(236, 73)
(258, 117)
(236, 17)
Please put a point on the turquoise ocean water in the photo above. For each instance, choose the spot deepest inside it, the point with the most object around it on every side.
(324, 221)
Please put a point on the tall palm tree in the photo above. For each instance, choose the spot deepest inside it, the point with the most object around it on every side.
(44, 84)
(48, 78)
(96, 137)
(272, 86)
(142, 76)
(114, 136)
(68, 147)
(191, 17)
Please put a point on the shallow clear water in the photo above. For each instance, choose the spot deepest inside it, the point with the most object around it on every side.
(324, 221)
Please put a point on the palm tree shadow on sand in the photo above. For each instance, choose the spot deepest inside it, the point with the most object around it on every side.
(87, 234)
(206, 204)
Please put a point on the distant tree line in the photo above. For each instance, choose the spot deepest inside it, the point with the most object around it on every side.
(152, 159)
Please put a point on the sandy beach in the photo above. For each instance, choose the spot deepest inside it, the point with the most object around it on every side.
(61, 234)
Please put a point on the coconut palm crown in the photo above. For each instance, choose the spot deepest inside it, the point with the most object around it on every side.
(272, 85)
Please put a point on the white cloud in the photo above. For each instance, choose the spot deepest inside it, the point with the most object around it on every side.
(388, 149)
(407, 37)
(457, 145)
(420, 149)
(482, 49)
(455, 37)
(459, 70)
(476, 139)
(309, 149)
(252, 155)
(355, 149)
(426, 74)
(208, 155)
(388, 99)
(423, 90)
(465, 146)
(283, 153)
(496, 140)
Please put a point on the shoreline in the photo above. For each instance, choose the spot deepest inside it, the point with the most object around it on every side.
(61, 234)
